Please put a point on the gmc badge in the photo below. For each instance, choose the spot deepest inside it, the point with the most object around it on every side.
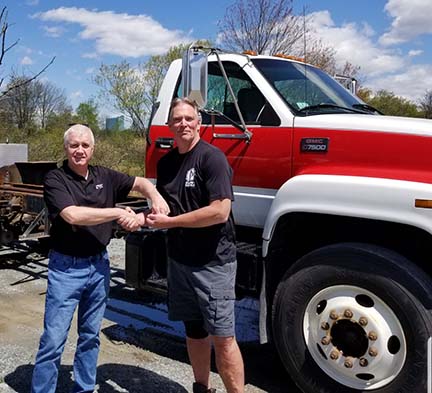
(316, 145)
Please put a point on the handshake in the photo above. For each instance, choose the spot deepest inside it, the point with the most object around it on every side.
(130, 221)
(156, 218)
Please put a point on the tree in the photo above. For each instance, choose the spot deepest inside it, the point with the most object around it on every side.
(87, 112)
(390, 104)
(21, 102)
(125, 87)
(61, 119)
(134, 90)
(51, 100)
(426, 104)
(30, 104)
(271, 27)
(264, 26)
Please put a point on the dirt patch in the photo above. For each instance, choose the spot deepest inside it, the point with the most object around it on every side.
(141, 351)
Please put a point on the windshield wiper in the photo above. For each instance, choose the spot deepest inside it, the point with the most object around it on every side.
(318, 107)
(368, 108)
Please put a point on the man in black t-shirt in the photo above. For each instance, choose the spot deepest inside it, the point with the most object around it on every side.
(195, 180)
(81, 204)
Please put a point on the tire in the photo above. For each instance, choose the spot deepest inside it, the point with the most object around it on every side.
(354, 318)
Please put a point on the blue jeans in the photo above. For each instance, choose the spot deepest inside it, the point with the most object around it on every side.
(72, 282)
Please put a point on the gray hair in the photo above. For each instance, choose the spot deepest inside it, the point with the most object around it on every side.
(183, 100)
(79, 129)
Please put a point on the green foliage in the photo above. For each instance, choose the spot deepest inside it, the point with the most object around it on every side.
(120, 150)
(123, 151)
(60, 120)
(87, 113)
(46, 145)
(124, 86)
(390, 104)
(426, 104)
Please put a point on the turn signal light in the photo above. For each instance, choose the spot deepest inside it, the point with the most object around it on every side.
(424, 203)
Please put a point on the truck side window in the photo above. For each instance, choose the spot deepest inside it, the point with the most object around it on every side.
(253, 105)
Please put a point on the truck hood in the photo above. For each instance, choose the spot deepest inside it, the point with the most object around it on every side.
(378, 123)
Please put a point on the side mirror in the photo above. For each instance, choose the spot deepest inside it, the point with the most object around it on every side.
(348, 82)
(194, 76)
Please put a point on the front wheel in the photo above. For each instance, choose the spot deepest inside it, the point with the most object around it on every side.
(354, 317)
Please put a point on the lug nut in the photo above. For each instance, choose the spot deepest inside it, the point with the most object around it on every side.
(334, 355)
(348, 313)
(325, 326)
(373, 351)
(334, 315)
(325, 340)
(348, 363)
(363, 362)
(372, 336)
(363, 321)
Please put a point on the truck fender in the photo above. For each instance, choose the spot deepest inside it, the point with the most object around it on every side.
(350, 196)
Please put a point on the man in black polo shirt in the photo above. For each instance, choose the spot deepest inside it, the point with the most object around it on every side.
(81, 203)
(195, 180)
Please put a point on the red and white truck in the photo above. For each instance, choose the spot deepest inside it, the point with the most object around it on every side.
(333, 211)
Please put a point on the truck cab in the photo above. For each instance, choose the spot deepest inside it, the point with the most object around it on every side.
(333, 214)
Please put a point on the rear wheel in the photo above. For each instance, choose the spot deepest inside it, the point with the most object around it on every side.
(354, 317)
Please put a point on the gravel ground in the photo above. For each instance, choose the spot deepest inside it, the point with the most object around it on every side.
(141, 351)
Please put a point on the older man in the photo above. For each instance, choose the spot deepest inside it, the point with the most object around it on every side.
(81, 202)
(195, 180)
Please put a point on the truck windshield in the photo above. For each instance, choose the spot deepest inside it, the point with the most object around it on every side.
(308, 90)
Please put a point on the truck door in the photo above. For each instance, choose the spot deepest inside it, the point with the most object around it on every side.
(262, 163)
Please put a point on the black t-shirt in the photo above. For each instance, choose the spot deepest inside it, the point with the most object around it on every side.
(63, 187)
(188, 182)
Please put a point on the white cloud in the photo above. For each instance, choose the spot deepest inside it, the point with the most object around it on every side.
(119, 34)
(353, 43)
(76, 94)
(367, 30)
(413, 53)
(90, 70)
(54, 31)
(412, 83)
(90, 55)
(383, 67)
(26, 60)
(32, 2)
(411, 18)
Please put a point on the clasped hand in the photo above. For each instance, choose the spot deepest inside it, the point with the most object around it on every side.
(129, 220)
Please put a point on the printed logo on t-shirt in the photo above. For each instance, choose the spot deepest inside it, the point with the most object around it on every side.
(190, 178)
(99, 186)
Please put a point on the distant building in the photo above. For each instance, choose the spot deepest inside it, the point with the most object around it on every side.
(114, 123)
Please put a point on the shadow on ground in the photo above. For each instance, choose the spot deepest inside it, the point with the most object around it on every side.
(262, 366)
(110, 378)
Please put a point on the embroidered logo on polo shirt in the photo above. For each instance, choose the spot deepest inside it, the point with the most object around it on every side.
(99, 186)
(190, 178)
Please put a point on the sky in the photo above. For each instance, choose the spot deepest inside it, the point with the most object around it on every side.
(390, 40)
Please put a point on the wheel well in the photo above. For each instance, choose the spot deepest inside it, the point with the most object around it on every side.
(296, 234)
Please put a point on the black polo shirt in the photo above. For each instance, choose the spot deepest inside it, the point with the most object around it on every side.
(63, 187)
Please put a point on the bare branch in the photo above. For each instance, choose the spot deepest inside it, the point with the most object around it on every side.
(26, 81)
(4, 28)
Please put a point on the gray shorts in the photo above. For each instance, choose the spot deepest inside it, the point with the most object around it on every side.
(203, 293)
